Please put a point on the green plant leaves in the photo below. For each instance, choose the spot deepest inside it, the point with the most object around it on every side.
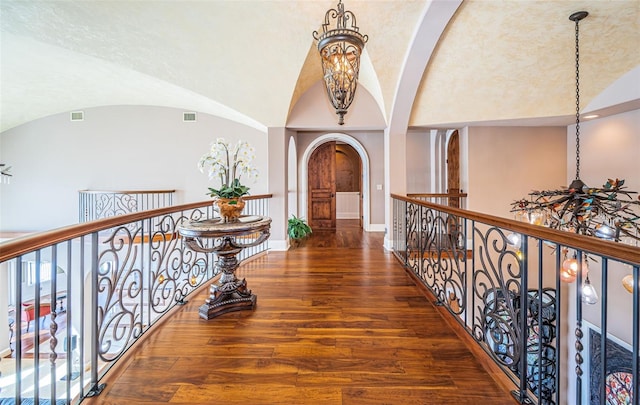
(297, 228)
(232, 191)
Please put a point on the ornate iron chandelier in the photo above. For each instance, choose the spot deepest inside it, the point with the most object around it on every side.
(607, 212)
(340, 48)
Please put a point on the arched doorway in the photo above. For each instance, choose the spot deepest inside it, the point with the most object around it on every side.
(364, 196)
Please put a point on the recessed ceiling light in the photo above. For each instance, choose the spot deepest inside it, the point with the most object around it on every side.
(590, 116)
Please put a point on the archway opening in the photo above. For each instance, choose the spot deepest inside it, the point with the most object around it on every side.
(344, 139)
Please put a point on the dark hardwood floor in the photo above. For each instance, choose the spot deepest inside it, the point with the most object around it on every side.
(338, 321)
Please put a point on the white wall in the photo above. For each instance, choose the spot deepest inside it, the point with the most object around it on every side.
(114, 148)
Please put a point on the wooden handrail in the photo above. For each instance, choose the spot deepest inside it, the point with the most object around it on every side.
(29, 243)
(621, 251)
(435, 195)
(126, 191)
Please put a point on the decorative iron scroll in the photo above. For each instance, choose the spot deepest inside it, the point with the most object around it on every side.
(120, 293)
(498, 315)
(435, 254)
(130, 298)
(413, 237)
(95, 204)
(496, 281)
(442, 257)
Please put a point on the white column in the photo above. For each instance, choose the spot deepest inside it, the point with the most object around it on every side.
(278, 186)
(395, 177)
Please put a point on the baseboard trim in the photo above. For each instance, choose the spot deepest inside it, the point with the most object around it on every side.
(6, 352)
(278, 245)
(376, 228)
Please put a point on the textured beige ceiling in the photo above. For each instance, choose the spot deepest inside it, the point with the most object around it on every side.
(516, 59)
(251, 60)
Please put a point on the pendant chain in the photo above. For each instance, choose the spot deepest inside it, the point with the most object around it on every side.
(577, 103)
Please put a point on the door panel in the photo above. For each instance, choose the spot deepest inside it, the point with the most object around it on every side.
(322, 187)
(453, 169)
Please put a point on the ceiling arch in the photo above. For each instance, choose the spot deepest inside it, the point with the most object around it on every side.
(253, 60)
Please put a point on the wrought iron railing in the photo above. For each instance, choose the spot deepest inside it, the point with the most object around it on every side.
(510, 286)
(81, 296)
(97, 204)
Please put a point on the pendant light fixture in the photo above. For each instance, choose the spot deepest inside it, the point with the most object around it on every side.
(340, 48)
(609, 212)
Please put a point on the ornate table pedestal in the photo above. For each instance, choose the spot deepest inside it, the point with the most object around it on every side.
(229, 293)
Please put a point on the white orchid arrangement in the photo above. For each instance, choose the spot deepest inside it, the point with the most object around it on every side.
(229, 164)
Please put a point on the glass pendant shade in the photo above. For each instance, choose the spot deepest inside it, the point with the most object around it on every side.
(605, 232)
(589, 293)
(569, 270)
(567, 277)
(627, 283)
(514, 239)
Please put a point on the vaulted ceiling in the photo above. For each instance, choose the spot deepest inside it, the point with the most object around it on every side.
(252, 60)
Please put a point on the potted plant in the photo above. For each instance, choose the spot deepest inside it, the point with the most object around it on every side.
(297, 229)
(229, 164)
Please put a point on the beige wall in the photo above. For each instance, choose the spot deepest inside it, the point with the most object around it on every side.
(609, 149)
(506, 163)
(347, 168)
(419, 161)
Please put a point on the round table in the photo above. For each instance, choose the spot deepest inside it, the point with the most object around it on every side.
(226, 239)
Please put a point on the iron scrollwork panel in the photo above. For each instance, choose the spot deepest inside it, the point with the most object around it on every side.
(175, 271)
(413, 237)
(496, 281)
(141, 275)
(113, 204)
(443, 255)
(120, 289)
(498, 315)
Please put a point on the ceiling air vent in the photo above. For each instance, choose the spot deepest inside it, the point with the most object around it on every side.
(189, 117)
(77, 116)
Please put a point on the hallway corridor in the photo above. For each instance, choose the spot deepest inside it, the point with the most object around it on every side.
(338, 321)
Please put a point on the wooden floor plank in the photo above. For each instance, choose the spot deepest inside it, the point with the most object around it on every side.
(337, 321)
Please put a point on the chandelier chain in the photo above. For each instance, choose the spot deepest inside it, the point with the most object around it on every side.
(577, 101)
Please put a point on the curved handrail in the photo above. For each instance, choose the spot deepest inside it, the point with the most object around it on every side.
(126, 191)
(28, 243)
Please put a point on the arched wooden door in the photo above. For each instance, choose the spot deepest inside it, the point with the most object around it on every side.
(322, 187)
(453, 168)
